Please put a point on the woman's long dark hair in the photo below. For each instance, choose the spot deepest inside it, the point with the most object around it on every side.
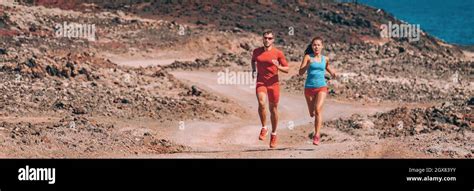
(309, 48)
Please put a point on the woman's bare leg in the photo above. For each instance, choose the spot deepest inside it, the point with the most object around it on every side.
(318, 108)
(310, 101)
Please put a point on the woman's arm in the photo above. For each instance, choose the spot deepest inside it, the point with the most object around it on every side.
(304, 65)
(331, 71)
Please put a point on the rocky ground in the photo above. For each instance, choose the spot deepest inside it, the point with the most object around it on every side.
(448, 123)
(40, 77)
(68, 97)
(400, 79)
(442, 131)
(78, 136)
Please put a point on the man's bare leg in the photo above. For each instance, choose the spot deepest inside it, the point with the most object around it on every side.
(262, 98)
(274, 116)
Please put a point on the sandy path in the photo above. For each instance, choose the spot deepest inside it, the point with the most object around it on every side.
(236, 137)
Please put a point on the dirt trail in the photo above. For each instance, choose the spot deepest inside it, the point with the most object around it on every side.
(394, 72)
(162, 60)
(236, 137)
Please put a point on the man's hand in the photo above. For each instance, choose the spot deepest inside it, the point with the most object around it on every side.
(333, 75)
(254, 74)
(276, 62)
(279, 67)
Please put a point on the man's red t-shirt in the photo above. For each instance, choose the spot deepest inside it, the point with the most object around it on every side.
(267, 72)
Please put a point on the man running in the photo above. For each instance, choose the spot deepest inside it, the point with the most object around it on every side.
(268, 60)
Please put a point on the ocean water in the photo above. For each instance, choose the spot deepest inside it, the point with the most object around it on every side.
(451, 21)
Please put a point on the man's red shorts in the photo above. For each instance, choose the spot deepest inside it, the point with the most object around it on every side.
(272, 91)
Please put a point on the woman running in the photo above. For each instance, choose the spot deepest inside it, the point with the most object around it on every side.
(315, 86)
